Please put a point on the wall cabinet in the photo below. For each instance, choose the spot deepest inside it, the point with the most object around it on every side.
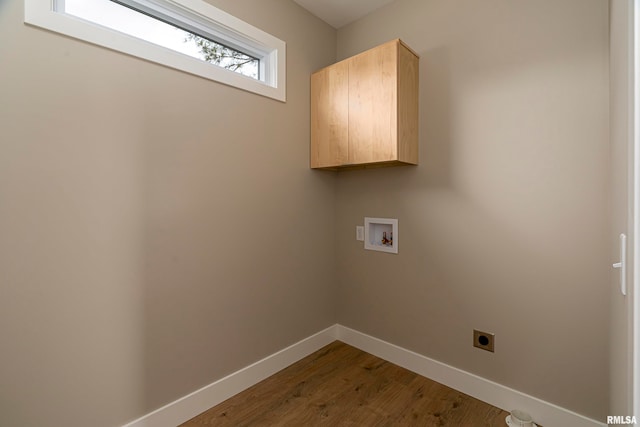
(364, 110)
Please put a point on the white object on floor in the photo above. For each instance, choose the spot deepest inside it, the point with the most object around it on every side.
(512, 424)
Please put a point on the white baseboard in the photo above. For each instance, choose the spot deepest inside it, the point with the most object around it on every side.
(195, 403)
(490, 392)
(493, 393)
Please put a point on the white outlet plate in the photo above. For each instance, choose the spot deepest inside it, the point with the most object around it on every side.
(360, 233)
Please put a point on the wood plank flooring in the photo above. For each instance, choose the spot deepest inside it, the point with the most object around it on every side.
(340, 385)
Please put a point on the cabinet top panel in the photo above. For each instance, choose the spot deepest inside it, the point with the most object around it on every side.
(397, 42)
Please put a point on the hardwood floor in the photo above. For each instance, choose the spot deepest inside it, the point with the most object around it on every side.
(340, 385)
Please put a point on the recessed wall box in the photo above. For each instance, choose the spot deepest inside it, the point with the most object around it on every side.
(381, 234)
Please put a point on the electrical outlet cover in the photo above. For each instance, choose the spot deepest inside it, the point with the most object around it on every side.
(484, 340)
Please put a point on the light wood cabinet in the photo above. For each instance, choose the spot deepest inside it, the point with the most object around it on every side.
(364, 110)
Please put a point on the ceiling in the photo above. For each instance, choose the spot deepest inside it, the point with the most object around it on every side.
(339, 13)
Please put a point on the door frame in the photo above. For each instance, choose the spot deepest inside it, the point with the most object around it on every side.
(634, 194)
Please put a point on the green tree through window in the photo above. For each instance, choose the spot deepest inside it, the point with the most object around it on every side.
(226, 57)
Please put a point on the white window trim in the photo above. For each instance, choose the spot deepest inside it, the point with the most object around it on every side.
(41, 13)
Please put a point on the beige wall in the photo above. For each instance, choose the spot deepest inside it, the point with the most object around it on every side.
(157, 230)
(503, 226)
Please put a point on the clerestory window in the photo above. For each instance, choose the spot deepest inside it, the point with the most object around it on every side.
(189, 35)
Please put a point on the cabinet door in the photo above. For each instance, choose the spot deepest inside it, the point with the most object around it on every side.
(373, 98)
(330, 116)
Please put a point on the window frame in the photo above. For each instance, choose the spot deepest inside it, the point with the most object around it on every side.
(196, 14)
